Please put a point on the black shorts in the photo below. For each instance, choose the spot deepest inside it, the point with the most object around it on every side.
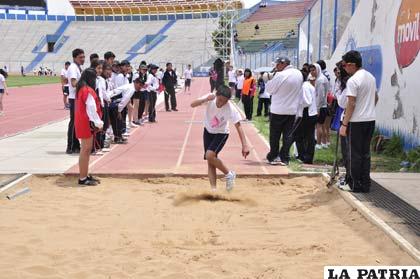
(65, 90)
(323, 113)
(213, 142)
(1, 91)
(137, 95)
(232, 84)
(188, 82)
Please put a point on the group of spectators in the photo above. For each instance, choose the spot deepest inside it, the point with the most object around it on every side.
(305, 105)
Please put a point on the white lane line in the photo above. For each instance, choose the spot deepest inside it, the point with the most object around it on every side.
(184, 145)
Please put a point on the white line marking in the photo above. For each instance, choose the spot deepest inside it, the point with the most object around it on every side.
(13, 183)
(184, 145)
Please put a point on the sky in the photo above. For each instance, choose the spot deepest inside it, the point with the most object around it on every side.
(250, 3)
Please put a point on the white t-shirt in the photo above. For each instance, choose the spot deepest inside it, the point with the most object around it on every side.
(64, 75)
(188, 74)
(240, 82)
(232, 76)
(308, 100)
(285, 88)
(216, 120)
(2, 81)
(73, 72)
(362, 85)
(120, 80)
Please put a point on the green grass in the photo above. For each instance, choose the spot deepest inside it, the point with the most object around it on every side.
(19, 81)
(379, 163)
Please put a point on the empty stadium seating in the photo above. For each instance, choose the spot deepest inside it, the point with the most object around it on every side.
(183, 42)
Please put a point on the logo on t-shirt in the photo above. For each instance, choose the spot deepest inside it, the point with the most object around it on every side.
(216, 122)
(407, 36)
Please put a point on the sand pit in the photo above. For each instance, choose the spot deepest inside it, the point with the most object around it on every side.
(175, 228)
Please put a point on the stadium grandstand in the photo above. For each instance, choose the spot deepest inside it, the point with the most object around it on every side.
(34, 34)
(277, 26)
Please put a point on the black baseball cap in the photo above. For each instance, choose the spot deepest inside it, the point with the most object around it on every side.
(153, 66)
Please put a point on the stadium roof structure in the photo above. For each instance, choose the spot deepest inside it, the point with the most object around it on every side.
(135, 7)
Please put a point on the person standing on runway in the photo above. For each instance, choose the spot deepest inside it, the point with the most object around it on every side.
(65, 84)
(169, 81)
(247, 94)
(285, 88)
(3, 89)
(188, 74)
(73, 75)
(152, 84)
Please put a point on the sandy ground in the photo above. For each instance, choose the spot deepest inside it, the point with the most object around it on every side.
(174, 228)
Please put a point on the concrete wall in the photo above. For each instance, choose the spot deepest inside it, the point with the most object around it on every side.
(386, 32)
(60, 7)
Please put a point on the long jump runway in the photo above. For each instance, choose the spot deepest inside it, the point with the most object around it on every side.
(29, 107)
(174, 145)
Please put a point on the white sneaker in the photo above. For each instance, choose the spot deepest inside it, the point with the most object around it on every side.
(230, 180)
(99, 153)
(324, 146)
(132, 125)
(345, 188)
(277, 161)
(106, 149)
(318, 147)
(126, 134)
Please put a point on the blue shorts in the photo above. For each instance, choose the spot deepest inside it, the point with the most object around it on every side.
(1, 91)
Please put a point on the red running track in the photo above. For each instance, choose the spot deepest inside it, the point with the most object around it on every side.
(174, 145)
(28, 107)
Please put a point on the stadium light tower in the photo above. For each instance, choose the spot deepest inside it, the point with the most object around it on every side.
(219, 26)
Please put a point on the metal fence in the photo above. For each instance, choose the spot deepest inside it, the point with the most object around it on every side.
(322, 28)
(262, 59)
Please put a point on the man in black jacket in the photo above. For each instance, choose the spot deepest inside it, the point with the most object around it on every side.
(170, 81)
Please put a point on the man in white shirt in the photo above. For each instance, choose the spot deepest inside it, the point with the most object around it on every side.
(73, 76)
(359, 121)
(65, 84)
(239, 84)
(152, 84)
(188, 73)
(232, 79)
(285, 88)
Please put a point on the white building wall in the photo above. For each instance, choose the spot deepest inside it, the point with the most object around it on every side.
(60, 7)
(373, 30)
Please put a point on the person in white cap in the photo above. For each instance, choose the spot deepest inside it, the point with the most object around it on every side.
(285, 87)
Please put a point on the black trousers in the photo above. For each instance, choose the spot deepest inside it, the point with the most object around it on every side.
(73, 143)
(263, 103)
(238, 93)
(105, 119)
(169, 94)
(247, 101)
(305, 137)
(152, 106)
(142, 103)
(280, 125)
(116, 123)
(359, 137)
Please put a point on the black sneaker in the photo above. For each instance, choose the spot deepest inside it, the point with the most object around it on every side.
(76, 150)
(87, 182)
(97, 180)
(175, 109)
(121, 141)
(168, 110)
(69, 151)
